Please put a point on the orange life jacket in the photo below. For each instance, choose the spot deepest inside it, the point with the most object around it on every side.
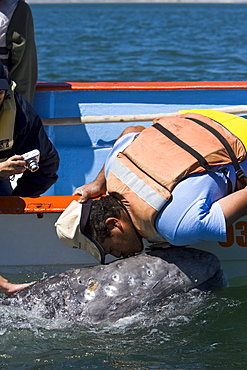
(145, 173)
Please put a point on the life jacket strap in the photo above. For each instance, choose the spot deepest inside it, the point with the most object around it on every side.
(183, 145)
(238, 170)
(241, 179)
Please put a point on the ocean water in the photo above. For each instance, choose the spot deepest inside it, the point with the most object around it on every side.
(183, 333)
(141, 42)
(137, 42)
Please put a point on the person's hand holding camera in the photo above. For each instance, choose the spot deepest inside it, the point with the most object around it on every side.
(14, 165)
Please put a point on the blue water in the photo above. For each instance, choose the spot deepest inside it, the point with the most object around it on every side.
(137, 42)
(141, 42)
(191, 333)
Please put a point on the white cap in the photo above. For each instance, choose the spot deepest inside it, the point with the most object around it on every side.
(70, 229)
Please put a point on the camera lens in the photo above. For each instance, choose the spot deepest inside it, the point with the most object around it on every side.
(33, 166)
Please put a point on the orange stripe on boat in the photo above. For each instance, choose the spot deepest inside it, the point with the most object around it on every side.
(43, 204)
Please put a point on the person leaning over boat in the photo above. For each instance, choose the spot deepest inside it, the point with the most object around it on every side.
(21, 131)
(197, 207)
(17, 46)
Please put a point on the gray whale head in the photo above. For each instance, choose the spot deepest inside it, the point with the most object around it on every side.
(109, 292)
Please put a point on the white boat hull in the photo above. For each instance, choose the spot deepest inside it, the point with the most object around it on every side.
(33, 242)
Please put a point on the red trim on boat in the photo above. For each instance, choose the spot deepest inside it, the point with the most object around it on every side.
(195, 85)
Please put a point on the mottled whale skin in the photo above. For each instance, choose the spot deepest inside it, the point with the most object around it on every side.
(106, 293)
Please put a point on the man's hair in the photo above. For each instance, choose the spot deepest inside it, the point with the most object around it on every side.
(101, 209)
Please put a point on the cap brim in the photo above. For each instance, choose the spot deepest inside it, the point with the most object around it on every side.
(4, 85)
(79, 241)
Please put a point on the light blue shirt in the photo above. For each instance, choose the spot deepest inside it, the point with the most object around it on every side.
(192, 214)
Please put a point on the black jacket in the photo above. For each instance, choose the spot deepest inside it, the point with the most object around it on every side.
(29, 134)
(22, 62)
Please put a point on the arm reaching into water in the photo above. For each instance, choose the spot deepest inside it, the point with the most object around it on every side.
(97, 187)
(8, 288)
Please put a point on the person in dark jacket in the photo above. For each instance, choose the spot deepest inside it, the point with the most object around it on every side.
(17, 46)
(21, 130)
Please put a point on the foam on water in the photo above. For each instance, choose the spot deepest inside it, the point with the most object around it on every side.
(175, 310)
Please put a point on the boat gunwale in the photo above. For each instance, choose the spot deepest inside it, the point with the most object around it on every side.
(184, 85)
(39, 205)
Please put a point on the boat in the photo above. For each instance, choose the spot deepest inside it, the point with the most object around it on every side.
(83, 120)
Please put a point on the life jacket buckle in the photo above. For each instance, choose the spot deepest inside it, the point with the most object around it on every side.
(240, 174)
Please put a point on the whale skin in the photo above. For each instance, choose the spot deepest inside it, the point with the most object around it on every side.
(106, 293)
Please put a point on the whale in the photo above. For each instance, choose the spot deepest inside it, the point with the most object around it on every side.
(107, 293)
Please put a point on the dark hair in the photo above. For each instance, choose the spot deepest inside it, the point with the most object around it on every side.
(101, 209)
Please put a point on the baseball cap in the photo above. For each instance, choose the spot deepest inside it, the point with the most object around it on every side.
(70, 228)
(4, 84)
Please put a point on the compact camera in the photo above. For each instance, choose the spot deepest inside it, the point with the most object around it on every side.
(32, 160)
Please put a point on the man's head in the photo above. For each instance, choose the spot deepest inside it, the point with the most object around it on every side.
(101, 227)
(4, 83)
(109, 223)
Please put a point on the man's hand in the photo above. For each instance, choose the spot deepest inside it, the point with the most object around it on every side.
(93, 189)
(12, 166)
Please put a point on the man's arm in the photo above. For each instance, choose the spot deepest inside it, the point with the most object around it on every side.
(234, 206)
(93, 189)
(130, 129)
(98, 186)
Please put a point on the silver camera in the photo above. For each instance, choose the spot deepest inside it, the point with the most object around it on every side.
(32, 160)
